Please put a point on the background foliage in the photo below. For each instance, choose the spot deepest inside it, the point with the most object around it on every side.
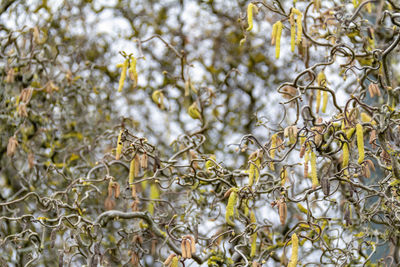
(216, 149)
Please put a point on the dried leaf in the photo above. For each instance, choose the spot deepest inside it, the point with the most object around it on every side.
(12, 146)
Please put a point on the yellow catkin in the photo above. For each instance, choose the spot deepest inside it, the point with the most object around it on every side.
(279, 27)
(302, 140)
(158, 98)
(360, 143)
(324, 101)
(230, 207)
(299, 28)
(123, 75)
(366, 118)
(284, 176)
(253, 245)
(245, 206)
(257, 170)
(250, 15)
(253, 236)
(321, 79)
(318, 101)
(346, 155)
(292, 32)
(132, 172)
(306, 160)
(154, 194)
(314, 177)
(295, 251)
(174, 262)
(369, 8)
(272, 151)
(274, 32)
(299, 24)
(251, 172)
(252, 217)
(119, 146)
(132, 71)
(194, 111)
(210, 163)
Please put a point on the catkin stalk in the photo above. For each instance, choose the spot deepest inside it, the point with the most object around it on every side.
(274, 32)
(284, 176)
(123, 75)
(279, 27)
(250, 15)
(154, 194)
(119, 146)
(175, 262)
(132, 71)
(346, 155)
(360, 143)
(292, 32)
(253, 236)
(295, 251)
(253, 248)
(272, 151)
(132, 172)
(324, 101)
(299, 28)
(299, 25)
(230, 207)
(251, 171)
(314, 177)
(318, 101)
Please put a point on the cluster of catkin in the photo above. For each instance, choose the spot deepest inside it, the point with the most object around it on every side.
(295, 19)
(131, 63)
(188, 248)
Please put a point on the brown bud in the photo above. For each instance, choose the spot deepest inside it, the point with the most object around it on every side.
(110, 189)
(370, 164)
(192, 243)
(12, 146)
(25, 95)
(134, 258)
(227, 193)
(137, 239)
(31, 160)
(371, 90)
(372, 138)
(183, 249)
(282, 210)
(302, 150)
(255, 264)
(279, 144)
(169, 259)
(153, 246)
(347, 217)
(144, 160)
(135, 205)
(109, 203)
(117, 190)
(325, 185)
(288, 91)
(365, 171)
(10, 78)
(22, 110)
(305, 170)
(134, 194)
(188, 249)
(50, 87)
